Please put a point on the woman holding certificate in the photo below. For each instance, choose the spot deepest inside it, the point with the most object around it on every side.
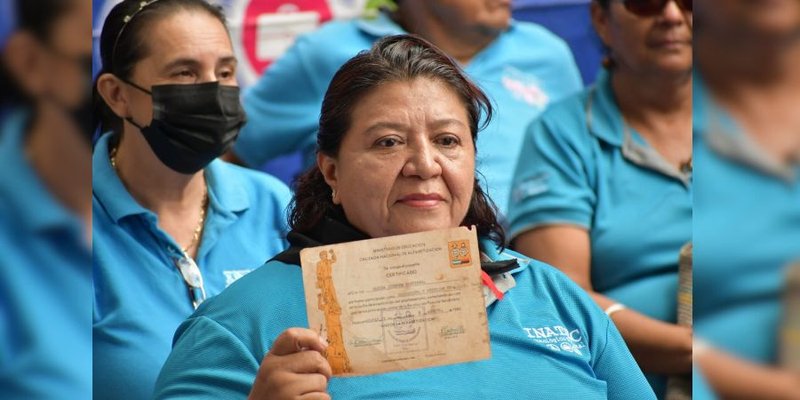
(396, 155)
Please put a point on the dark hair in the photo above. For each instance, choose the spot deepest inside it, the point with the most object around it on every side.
(603, 3)
(37, 17)
(391, 59)
(123, 43)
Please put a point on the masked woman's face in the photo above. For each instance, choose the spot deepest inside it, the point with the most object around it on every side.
(183, 48)
(407, 162)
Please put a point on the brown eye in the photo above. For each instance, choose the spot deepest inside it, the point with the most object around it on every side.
(387, 142)
(448, 141)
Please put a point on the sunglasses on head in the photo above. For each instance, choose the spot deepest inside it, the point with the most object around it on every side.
(650, 8)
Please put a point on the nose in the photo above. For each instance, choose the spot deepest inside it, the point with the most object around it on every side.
(422, 161)
(672, 12)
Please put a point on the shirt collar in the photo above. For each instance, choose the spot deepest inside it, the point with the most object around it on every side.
(725, 137)
(21, 186)
(380, 26)
(602, 114)
(107, 188)
(227, 192)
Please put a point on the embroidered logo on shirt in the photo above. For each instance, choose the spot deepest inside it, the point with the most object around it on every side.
(232, 275)
(558, 338)
(524, 87)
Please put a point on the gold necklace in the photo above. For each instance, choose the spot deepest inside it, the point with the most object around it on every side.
(198, 230)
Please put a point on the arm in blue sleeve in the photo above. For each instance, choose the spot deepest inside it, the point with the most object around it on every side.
(615, 365)
(207, 362)
(553, 178)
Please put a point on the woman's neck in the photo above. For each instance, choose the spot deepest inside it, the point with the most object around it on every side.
(758, 83)
(462, 43)
(648, 100)
(151, 183)
(63, 161)
(659, 108)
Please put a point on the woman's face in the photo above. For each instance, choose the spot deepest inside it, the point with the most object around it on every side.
(657, 44)
(407, 162)
(186, 47)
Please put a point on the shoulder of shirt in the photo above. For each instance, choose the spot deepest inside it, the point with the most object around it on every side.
(257, 183)
(557, 284)
(529, 32)
(565, 117)
(331, 38)
(256, 290)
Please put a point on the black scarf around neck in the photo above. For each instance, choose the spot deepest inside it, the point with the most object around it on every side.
(334, 229)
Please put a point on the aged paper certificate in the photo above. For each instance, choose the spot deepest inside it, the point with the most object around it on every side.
(399, 302)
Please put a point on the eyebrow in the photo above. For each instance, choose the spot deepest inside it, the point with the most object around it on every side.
(190, 62)
(400, 127)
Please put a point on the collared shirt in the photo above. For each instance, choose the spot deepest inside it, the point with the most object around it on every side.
(746, 233)
(140, 296)
(581, 165)
(522, 71)
(45, 283)
(547, 336)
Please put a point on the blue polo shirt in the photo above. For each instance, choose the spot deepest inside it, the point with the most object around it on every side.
(581, 165)
(746, 233)
(522, 71)
(45, 283)
(140, 296)
(218, 350)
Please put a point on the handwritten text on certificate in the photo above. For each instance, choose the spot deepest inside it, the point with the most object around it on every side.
(399, 302)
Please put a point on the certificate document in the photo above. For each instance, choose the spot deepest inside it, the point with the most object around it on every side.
(398, 302)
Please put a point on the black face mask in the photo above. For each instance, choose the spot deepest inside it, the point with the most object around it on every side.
(192, 124)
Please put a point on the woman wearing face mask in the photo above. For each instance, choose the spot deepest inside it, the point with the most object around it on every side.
(603, 184)
(172, 225)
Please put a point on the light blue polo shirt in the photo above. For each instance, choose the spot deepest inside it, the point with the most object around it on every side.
(45, 283)
(218, 350)
(140, 296)
(522, 71)
(581, 166)
(746, 232)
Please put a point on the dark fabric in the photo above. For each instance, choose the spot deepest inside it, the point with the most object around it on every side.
(335, 229)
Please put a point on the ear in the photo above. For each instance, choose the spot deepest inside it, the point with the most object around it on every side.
(111, 90)
(600, 21)
(26, 63)
(329, 168)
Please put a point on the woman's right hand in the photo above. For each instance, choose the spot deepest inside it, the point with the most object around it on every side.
(294, 368)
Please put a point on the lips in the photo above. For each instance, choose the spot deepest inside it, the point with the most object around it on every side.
(421, 200)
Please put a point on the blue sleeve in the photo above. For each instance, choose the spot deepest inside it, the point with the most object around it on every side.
(552, 181)
(283, 107)
(616, 366)
(207, 362)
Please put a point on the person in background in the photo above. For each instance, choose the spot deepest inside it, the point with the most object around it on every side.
(45, 207)
(401, 120)
(172, 225)
(603, 186)
(521, 66)
(747, 202)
